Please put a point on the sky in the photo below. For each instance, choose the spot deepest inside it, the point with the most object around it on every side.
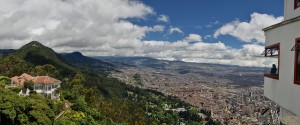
(203, 31)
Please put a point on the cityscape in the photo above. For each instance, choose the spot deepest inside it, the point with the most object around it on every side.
(216, 88)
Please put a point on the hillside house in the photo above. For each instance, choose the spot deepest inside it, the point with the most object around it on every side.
(44, 85)
(283, 44)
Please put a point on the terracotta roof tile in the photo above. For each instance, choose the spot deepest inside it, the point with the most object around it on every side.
(26, 77)
(45, 80)
(39, 79)
(17, 80)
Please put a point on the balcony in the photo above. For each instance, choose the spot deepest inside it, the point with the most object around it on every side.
(273, 76)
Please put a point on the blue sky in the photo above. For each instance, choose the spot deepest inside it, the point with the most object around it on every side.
(206, 16)
(202, 31)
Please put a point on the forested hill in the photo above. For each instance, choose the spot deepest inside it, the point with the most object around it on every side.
(86, 96)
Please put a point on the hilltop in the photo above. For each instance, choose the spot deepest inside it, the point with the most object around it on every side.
(88, 63)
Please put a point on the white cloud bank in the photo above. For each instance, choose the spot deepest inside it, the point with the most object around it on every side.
(249, 31)
(204, 52)
(71, 24)
(101, 28)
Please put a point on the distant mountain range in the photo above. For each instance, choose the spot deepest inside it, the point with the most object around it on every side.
(136, 61)
(101, 62)
(232, 74)
(156, 63)
(4, 52)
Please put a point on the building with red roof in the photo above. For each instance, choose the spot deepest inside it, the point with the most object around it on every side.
(44, 85)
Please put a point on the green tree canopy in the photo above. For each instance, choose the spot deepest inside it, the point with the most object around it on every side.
(46, 70)
(4, 81)
(16, 109)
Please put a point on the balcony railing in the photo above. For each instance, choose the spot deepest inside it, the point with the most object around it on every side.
(273, 76)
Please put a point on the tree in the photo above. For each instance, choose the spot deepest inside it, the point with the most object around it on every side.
(4, 81)
(46, 70)
(80, 104)
(78, 79)
(11, 66)
(71, 117)
(31, 109)
(28, 85)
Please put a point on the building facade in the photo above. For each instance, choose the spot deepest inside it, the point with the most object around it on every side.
(44, 85)
(47, 86)
(282, 85)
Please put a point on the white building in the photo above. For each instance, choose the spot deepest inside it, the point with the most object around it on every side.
(283, 44)
(47, 86)
(44, 85)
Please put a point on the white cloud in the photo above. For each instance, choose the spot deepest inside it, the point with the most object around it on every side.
(84, 24)
(175, 29)
(159, 28)
(249, 31)
(101, 28)
(207, 36)
(194, 38)
(211, 24)
(204, 52)
(163, 18)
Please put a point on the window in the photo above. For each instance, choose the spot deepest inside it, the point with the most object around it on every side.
(38, 87)
(49, 87)
(296, 4)
(272, 51)
(297, 62)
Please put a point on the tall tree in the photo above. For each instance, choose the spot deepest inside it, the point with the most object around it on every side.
(48, 70)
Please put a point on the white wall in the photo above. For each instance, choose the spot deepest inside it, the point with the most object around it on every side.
(289, 11)
(283, 91)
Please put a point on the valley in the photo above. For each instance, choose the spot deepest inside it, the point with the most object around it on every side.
(232, 93)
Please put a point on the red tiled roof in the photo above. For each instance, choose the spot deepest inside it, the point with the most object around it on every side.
(45, 80)
(26, 77)
(17, 80)
(39, 79)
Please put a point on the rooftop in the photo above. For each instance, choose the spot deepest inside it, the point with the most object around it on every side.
(36, 80)
(45, 80)
(282, 23)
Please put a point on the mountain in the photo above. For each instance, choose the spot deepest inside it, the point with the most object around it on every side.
(77, 57)
(137, 61)
(82, 61)
(37, 54)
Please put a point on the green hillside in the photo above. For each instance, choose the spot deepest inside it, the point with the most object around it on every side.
(37, 54)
